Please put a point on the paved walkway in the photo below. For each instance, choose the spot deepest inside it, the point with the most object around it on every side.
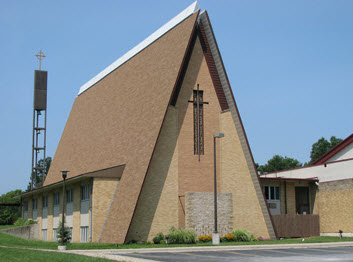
(291, 252)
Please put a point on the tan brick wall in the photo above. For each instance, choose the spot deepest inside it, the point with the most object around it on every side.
(194, 175)
(50, 216)
(102, 196)
(39, 214)
(157, 209)
(236, 179)
(335, 207)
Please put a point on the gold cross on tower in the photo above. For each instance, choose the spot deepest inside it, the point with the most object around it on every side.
(40, 56)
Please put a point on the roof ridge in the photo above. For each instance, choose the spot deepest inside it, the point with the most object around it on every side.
(333, 151)
(191, 9)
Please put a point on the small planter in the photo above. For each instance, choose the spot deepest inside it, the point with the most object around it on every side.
(61, 248)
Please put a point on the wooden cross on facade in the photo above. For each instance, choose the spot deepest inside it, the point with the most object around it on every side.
(40, 55)
(198, 121)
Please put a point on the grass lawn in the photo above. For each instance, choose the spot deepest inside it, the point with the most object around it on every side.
(23, 255)
(9, 240)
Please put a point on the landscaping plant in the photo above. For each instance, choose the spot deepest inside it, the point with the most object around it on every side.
(157, 239)
(66, 236)
(243, 235)
(181, 236)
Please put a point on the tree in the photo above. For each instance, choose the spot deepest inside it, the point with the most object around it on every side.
(40, 174)
(322, 146)
(277, 163)
(66, 236)
(9, 214)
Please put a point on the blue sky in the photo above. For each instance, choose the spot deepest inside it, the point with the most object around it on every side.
(290, 65)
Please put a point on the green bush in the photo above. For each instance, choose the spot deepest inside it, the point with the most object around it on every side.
(242, 235)
(21, 222)
(157, 239)
(66, 235)
(180, 236)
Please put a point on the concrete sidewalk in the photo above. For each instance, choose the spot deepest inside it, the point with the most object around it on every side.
(118, 254)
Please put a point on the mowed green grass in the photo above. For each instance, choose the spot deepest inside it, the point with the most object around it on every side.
(25, 255)
(12, 241)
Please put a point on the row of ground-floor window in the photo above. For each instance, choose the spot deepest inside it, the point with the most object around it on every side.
(83, 234)
(46, 209)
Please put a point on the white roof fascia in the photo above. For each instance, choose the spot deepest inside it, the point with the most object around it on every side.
(145, 43)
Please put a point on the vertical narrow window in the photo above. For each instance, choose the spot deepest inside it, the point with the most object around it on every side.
(267, 195)
(45, 201)
(44, 234)
(84, 234)
(277, 195)
(272, 192)
(198, 123)
(34, 203)
(55, 234)
(69, 196)
(25, 206)
(84, 193)
(56, 198)
(198, 112)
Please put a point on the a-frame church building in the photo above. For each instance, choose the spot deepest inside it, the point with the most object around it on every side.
(139, 145)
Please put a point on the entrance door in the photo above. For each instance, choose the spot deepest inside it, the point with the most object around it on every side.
(302, 200)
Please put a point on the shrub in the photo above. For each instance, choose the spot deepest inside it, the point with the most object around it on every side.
(243, 235)
(180, 236)
(162, 241)
(205, 238)
(66, 235)
(229, 237)
(157, 239)
(21, 222)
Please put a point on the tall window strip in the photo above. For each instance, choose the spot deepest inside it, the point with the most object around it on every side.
(69, 196)
(198, 122)
(84, 234)
(25, 206)
(45, 201)
(34, 204)
(44, 234)
(84, 193)
(56, 198)
(198, 112)
(55, 234)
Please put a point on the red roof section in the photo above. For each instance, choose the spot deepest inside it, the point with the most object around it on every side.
(333, 151)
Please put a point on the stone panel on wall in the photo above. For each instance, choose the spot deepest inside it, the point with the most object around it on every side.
(199, 212)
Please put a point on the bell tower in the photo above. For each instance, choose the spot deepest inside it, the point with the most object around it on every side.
(39, 122)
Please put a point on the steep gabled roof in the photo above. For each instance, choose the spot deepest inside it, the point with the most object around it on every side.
(141, 46)
(117, 117)
(333, 151)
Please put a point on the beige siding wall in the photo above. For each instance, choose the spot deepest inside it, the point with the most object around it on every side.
(236, 179)
(157, 208)
(102, 196)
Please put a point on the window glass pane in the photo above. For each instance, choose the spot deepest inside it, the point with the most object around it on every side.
(56, 198)
(69, 196)
(272, 189)
(84, 192)
(266, 192)
(277, 196)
